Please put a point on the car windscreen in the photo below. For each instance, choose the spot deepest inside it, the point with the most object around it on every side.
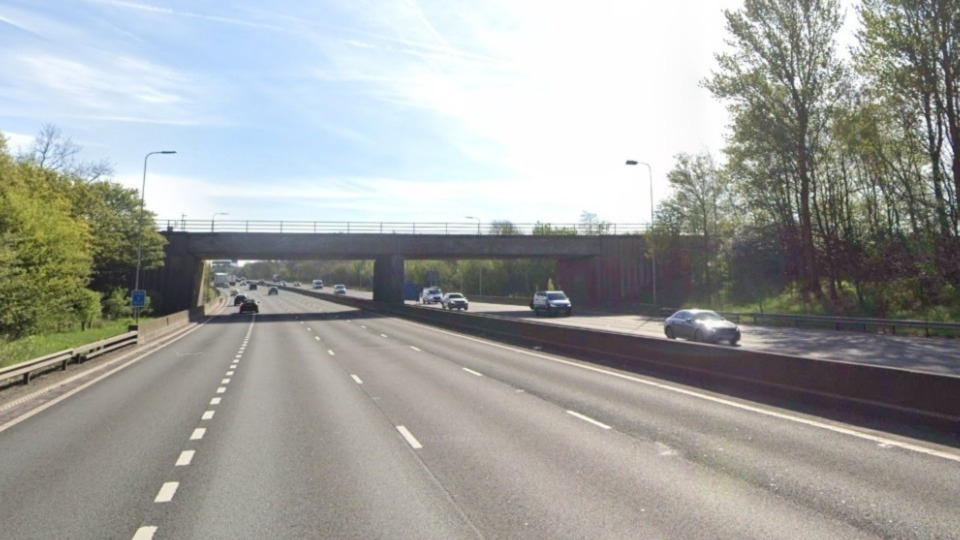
(707, 316)
(556, 296)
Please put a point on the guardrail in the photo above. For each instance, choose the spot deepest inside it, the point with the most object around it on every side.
(150, 330)
(399, 227)
(863, 324)
(77, 354)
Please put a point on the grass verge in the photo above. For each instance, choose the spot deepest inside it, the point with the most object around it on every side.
(28, 348)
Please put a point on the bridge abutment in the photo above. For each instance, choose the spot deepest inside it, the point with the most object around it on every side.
(388, 279)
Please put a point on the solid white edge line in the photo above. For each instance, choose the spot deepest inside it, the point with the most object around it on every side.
(208, 415)
(186, 458)
(126, 363)
(742, 406)
(357, 379)
(588, 419)
(472, 372)
(167, 491)
(198, 434)
(411, 440)
(145, 533)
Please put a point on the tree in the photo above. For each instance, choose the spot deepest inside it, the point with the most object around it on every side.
(909, 50)
(781, 79)
(53, 151)
(48, 254)
(591, 224)
(699, 200)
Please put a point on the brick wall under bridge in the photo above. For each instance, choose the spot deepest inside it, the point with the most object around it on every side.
(604, 270)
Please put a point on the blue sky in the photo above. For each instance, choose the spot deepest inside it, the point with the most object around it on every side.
(351, 110)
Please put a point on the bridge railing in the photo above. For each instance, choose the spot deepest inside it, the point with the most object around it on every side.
(399, 227)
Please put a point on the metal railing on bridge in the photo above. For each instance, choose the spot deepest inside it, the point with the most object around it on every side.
(398, 227)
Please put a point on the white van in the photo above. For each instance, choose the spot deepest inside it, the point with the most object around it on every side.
(318, 284)
(431, 295)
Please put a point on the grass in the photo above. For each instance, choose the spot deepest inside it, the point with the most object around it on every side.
(28, 348)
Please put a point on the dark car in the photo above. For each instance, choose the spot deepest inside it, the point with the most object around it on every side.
(239, 299)
(273, 290)
(701, 325)
(249, 306)
(253, 286)
(551, 303)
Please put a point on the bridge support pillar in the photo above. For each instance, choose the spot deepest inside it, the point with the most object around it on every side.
(388, 279)
(178, 285)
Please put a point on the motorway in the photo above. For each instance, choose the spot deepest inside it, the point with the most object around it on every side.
(315, 420)
(933, 355)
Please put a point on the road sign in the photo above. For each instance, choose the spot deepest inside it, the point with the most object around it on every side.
(138, 298)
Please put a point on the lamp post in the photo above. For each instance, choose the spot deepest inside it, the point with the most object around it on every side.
(478, 223)
(653, 254)
(213, 217)
(143, 186)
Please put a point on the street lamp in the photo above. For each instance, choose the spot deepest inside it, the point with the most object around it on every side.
(478, 223)
(143, 187)
(213, 217)
(653, 254)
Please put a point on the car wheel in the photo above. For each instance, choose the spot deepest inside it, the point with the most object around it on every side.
(465, 308)
(570, 312)
(734, 341)
(698, 336)
(670, 333)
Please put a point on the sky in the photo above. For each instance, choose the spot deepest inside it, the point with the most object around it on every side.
(371, 111)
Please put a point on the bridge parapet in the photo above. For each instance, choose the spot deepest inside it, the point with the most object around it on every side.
(396, 227)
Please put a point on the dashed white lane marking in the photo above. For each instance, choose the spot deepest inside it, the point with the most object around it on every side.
(383, 335)
(411, 440)
(588, 419)
(230, 373)
(309, 329)
(198, 434)
(414, 348)
(362, 326)
(207, 415)
(316, 338)
(144, 533)
(472, 372)
(357, 379)
(728, 402)
(239, 356)
(166, 492)
(225, 381)
(215, 401)
(186, 457)
(221, 390)
(330, 352)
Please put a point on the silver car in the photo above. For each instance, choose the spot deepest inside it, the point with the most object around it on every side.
(701, 325)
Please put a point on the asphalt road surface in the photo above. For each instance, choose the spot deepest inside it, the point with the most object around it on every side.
(311, 420)
(935, 355)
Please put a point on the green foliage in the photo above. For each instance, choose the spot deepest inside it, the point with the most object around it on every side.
(48, 256)
(30, 347)
(116, 305)
(85, 307)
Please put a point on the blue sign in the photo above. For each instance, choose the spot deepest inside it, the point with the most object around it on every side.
(138, 299)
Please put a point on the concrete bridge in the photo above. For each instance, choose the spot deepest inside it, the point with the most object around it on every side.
(593, 269)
